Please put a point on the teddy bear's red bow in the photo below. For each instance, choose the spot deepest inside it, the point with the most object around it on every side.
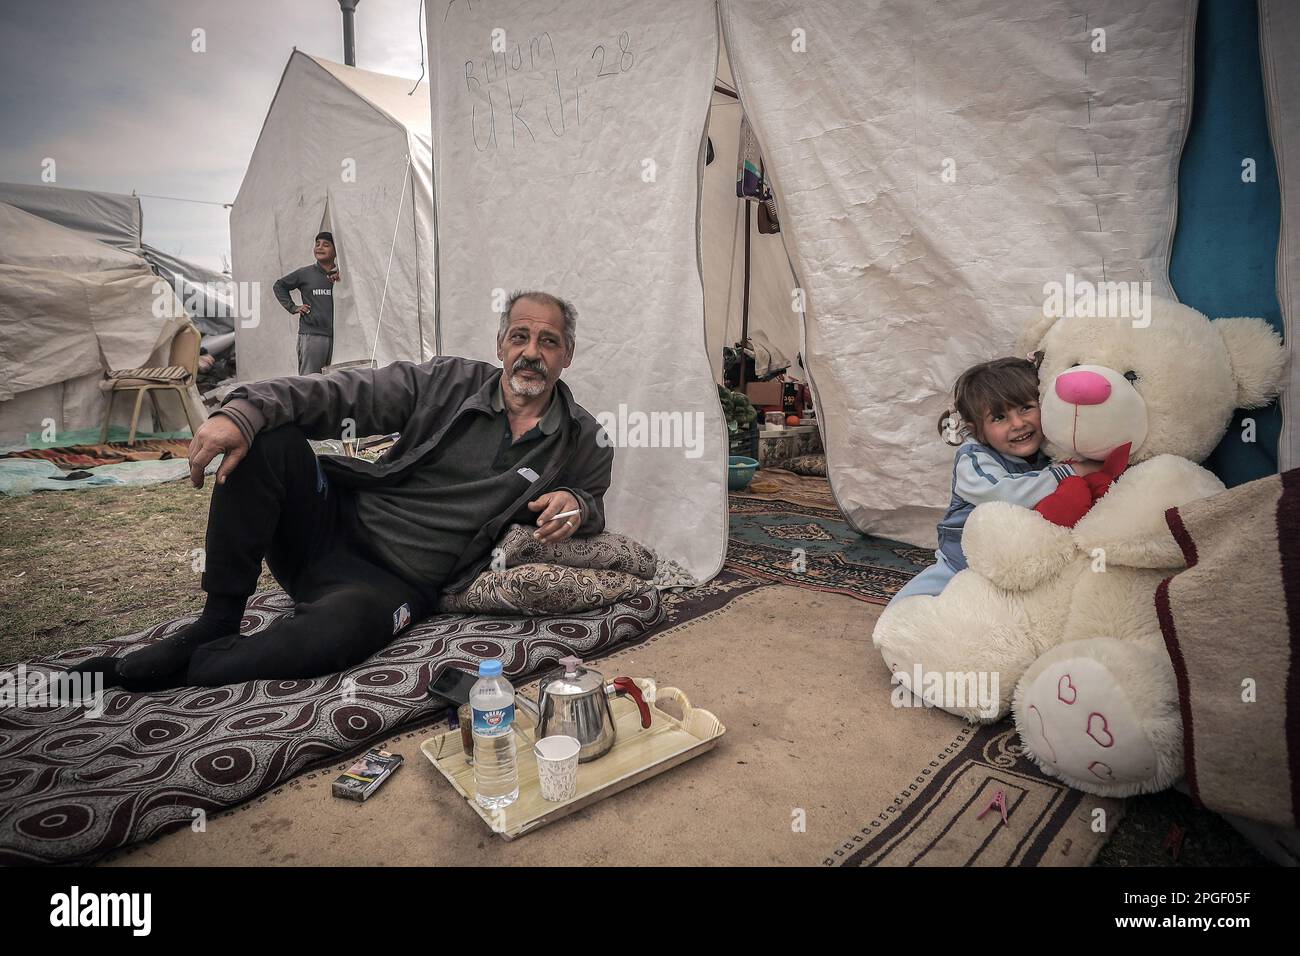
(1075, 496)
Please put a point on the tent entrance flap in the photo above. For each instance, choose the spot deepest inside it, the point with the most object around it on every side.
(571, 162)
(388, 269)
(932, 179)
(1279, 49)
(768, 285)
(378, 242)
(297, 220)
(346, 330)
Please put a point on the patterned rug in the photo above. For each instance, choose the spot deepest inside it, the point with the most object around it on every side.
(795, 535)
(771, 483)
(943, 816)
(74, 457)
(808, 545)
(73, 787)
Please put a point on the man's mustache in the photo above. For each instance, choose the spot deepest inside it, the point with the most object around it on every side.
(529, 365)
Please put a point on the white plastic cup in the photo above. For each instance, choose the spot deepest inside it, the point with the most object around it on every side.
(557, 767)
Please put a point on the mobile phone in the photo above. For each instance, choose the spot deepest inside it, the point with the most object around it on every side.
(452, 687)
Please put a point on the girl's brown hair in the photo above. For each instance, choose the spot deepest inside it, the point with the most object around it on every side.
(989, 387)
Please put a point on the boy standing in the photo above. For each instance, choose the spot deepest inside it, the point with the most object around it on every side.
(315, 285)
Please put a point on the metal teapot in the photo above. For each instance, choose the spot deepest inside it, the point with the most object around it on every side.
(574, 700)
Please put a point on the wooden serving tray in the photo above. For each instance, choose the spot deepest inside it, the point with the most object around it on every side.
(638, 753)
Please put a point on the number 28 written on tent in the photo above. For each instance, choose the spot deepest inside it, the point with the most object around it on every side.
(621, 63)
(518, 95)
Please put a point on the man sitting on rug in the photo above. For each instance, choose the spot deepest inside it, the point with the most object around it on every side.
(365, 549)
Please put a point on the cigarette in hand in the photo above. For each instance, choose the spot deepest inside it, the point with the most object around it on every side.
(565, 514)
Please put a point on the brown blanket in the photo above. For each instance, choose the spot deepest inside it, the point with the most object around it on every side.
(1231, 622)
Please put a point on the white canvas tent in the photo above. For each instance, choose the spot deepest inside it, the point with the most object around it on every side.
(348, 151)
(72, 308)
(934, 169)
(116, 219)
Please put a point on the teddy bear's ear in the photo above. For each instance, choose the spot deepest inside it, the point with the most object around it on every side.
(1031, 336)
(1257, 358)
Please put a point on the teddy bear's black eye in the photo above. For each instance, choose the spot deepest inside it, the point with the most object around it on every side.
(1131, 375)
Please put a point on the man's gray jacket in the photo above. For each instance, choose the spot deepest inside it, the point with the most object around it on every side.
(422, 401)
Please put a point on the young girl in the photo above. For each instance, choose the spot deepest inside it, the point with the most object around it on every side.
(997, 414)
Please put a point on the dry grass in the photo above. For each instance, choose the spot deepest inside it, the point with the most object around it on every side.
(77, 567)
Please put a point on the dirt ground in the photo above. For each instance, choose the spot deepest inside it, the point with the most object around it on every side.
(78, 567)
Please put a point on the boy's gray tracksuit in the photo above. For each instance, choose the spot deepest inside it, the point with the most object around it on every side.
(316, 328)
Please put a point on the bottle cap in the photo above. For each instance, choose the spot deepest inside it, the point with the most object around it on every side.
(490, 668)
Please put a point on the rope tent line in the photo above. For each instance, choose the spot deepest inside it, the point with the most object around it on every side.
(379, 324)
(204, 202)
(420, 31)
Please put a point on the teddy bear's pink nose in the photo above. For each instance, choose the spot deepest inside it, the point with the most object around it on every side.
(1082, 388)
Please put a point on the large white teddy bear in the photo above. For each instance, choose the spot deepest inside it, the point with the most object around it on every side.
(1066, 618)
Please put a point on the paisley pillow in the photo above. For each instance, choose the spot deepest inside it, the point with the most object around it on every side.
(543, 589)
(577, 574)
(606, 551)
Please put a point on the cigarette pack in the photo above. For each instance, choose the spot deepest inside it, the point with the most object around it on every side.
(366, 776)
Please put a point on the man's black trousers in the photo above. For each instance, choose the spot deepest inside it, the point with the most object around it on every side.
(277, 504)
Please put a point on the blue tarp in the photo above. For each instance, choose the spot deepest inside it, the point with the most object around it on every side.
(1225, 246)
(22, 476)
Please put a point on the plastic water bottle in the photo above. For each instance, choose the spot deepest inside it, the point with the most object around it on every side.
(492, 701)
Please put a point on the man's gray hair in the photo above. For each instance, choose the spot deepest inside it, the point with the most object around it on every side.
(567, 312)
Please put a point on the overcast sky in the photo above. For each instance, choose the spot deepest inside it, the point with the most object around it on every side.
(111, 90)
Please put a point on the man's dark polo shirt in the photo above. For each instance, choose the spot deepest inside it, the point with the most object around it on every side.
(423, 524)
